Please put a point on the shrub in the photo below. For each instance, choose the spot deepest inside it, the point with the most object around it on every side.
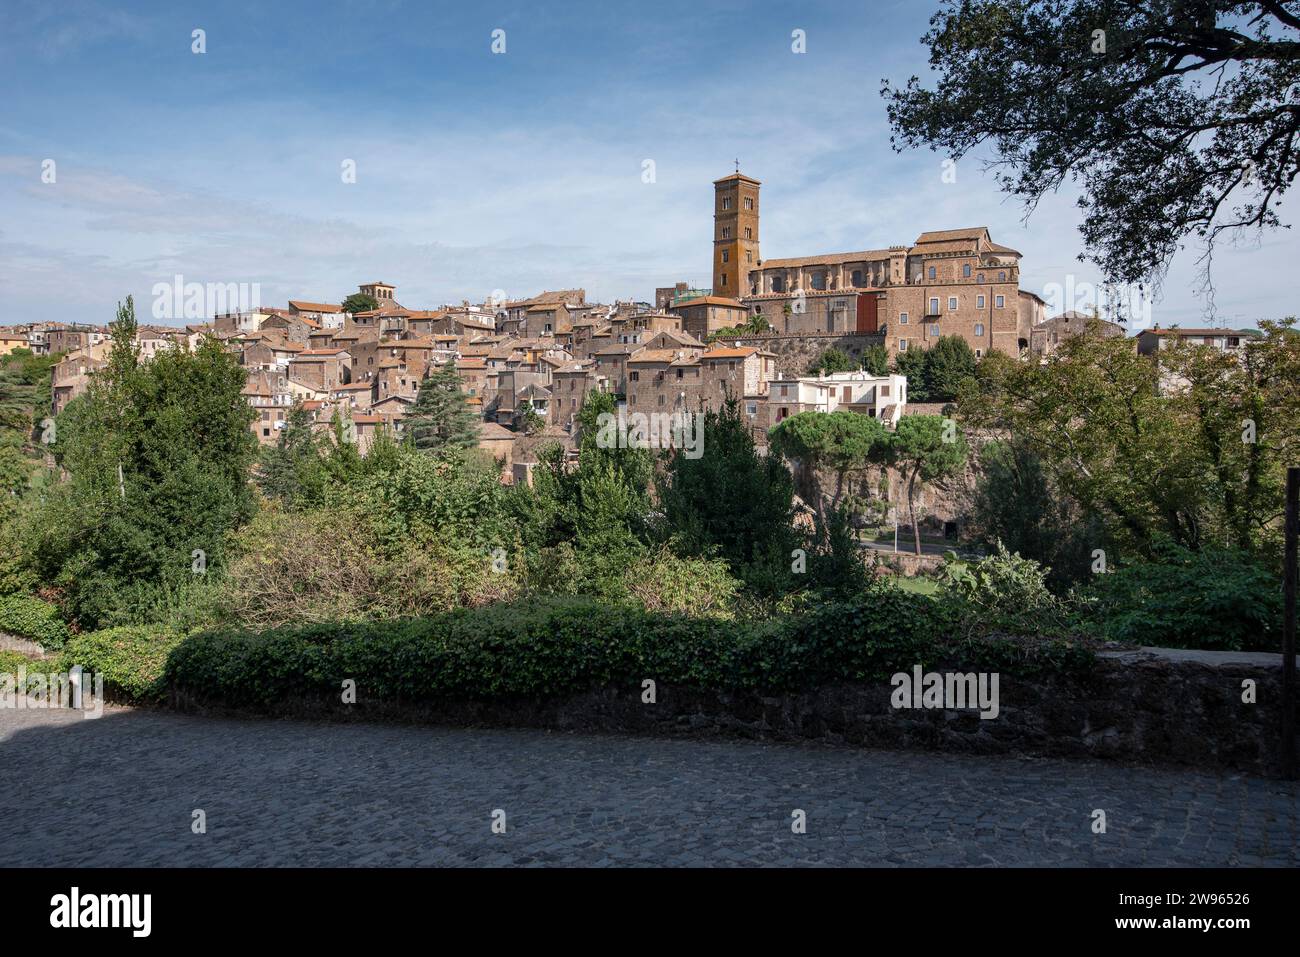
(329, 566)
(554, 647)
(131, 659)
(662, 582)
(1213, 598)
(1001, 592)
(32, 618)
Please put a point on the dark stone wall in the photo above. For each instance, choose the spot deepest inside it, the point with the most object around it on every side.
(1153, 706)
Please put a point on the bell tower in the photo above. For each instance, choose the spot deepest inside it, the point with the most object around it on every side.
(735, 234)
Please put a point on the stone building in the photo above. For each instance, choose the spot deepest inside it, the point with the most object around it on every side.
(735, 233)
(1046, 337)
(947, 282)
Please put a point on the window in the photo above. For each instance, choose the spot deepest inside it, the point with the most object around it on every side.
(679, 373)
(636, 376)
(819, 280)
(749, 233)
(857, 277)
(979, 328)
(846, 394)
(749, 202)
(952, 303)
(934, 329)
(965, 271)
(661, 400)
(902, 318)
(884, 392)
(934, 306)
(980, 278)
(726, 232)
(726, 255)
(979, 353)
(751, 408)
(724, 279)
(749, 256)
(1000, 301)
(726, 202)
(1002, 277)
(931, 272)
(902, 345)
(979, 301)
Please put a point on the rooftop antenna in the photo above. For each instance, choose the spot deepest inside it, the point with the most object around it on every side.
(737, 164)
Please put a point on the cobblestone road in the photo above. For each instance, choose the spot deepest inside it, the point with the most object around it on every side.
(121, 790)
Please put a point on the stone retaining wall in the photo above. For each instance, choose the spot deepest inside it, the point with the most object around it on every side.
(1156, 706)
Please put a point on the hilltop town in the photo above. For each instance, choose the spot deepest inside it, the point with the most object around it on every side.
(527, 365)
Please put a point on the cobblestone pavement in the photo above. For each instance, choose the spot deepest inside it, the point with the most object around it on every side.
(121, 790)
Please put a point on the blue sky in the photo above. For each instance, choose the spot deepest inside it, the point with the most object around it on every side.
(477, 172)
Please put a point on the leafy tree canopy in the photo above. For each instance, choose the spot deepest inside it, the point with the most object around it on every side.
(1177, 118)
(359, 302)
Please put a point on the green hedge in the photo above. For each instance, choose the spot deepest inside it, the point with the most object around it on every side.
(558, 647)
(34, 619)
(131, 659)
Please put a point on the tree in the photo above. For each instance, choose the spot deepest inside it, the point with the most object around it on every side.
(1017, 505)
(948, 363)
(1177, 117)
(158, 455)
(591, 520)
(440, 419)
(532, 423)
(875, 360)
(290, 470)
(1188, 448)
(926, 448)
(836, 441)
(911, 365)
(730, 502)
(359, 302)
(832, 360)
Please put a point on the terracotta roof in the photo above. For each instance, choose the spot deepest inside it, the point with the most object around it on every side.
(828, 259)
(353, 387)
(707, 301)
(1200, 332)
(490, 431)
(552, 297)
(946, 235)
(653, 355)
(302, 305)
(739, 353)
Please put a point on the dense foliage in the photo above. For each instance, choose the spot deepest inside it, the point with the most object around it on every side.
(561, 646)
(1177, 118)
